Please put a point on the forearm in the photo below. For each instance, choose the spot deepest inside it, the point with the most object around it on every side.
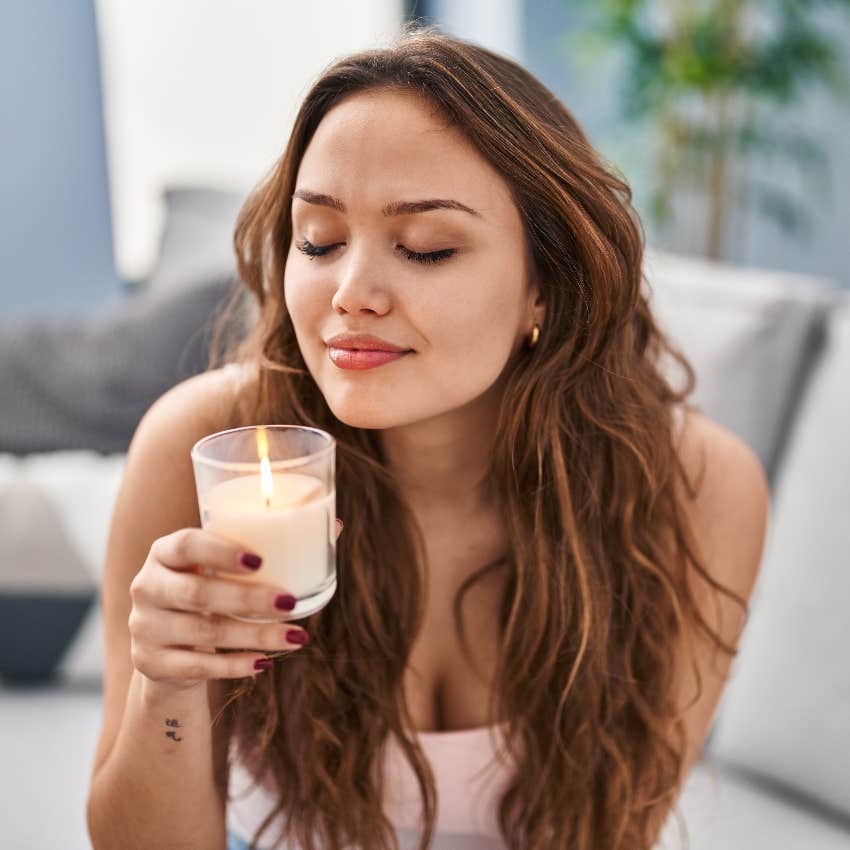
(156, 790)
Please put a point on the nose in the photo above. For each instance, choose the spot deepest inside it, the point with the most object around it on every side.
(361, 286)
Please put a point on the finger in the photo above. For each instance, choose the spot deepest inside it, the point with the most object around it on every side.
(338, 527)
(177, 629)
(199, 551)
(183, 591)
(185, 664)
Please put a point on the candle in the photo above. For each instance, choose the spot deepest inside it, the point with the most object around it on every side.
(270, 489)
(284, 517)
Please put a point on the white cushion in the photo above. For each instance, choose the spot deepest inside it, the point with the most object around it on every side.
(722, 811)
(786, 711)
(75, 493)
(749, 335)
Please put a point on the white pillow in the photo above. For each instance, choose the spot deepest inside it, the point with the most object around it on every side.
(55, 543)
(750, 336)
(786, 711)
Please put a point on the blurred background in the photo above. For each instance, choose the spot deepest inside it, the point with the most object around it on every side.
(729, 119)
(133, 133)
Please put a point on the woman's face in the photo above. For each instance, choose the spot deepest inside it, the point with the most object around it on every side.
(449, 284)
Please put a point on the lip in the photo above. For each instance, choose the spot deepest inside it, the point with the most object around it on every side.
(365, 342)
(353, 358)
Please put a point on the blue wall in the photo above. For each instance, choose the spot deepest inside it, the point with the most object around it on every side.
(55, 236)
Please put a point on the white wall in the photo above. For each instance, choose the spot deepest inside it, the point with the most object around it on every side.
(205, 91)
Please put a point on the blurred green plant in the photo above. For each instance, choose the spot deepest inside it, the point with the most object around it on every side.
(715, 79)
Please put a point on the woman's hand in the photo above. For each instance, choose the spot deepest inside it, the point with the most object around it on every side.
(179, 613)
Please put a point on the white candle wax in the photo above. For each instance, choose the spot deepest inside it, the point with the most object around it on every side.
(291, 533)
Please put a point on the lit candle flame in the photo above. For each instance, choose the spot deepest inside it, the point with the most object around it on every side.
(265, 467)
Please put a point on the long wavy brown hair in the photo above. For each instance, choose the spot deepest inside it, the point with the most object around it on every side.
(584, 471)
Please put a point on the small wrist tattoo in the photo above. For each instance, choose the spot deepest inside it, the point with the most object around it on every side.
(172, 735)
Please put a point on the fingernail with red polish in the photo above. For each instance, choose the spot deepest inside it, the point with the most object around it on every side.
(297, 636)
(285, 601)
(263, 664)
(252, 561)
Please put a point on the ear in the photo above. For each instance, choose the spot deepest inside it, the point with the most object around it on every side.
(537, 306)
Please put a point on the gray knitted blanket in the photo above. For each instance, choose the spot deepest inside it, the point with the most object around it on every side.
(84, 383)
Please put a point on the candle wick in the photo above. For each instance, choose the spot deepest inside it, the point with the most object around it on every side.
(268, 502)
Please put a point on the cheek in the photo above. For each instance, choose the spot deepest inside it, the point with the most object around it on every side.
(302, 308)
(482, 320)
(470, 342)
(306, 316)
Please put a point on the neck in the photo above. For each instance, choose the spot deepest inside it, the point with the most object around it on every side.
(442, 465)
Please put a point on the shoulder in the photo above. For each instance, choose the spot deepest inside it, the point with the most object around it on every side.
(731, 500)
(215, 399)
(158, 477)
(727, 512)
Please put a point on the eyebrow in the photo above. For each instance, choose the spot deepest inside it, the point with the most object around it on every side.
(393, 209)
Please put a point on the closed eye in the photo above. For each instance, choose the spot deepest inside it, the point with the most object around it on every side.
(313, 251)
(430, 257)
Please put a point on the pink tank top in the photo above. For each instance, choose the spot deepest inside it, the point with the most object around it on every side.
(470, 781)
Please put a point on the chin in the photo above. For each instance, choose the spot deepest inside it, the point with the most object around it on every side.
(388, 410)
(359, 412)
(361, 419)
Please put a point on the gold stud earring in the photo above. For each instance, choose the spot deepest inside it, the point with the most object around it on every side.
(535, 335)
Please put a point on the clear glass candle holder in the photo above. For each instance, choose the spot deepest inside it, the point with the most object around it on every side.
(271, 489)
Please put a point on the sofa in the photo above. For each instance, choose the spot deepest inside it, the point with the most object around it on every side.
(772, 356)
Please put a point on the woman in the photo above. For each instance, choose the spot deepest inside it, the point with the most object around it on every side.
(545, 559)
